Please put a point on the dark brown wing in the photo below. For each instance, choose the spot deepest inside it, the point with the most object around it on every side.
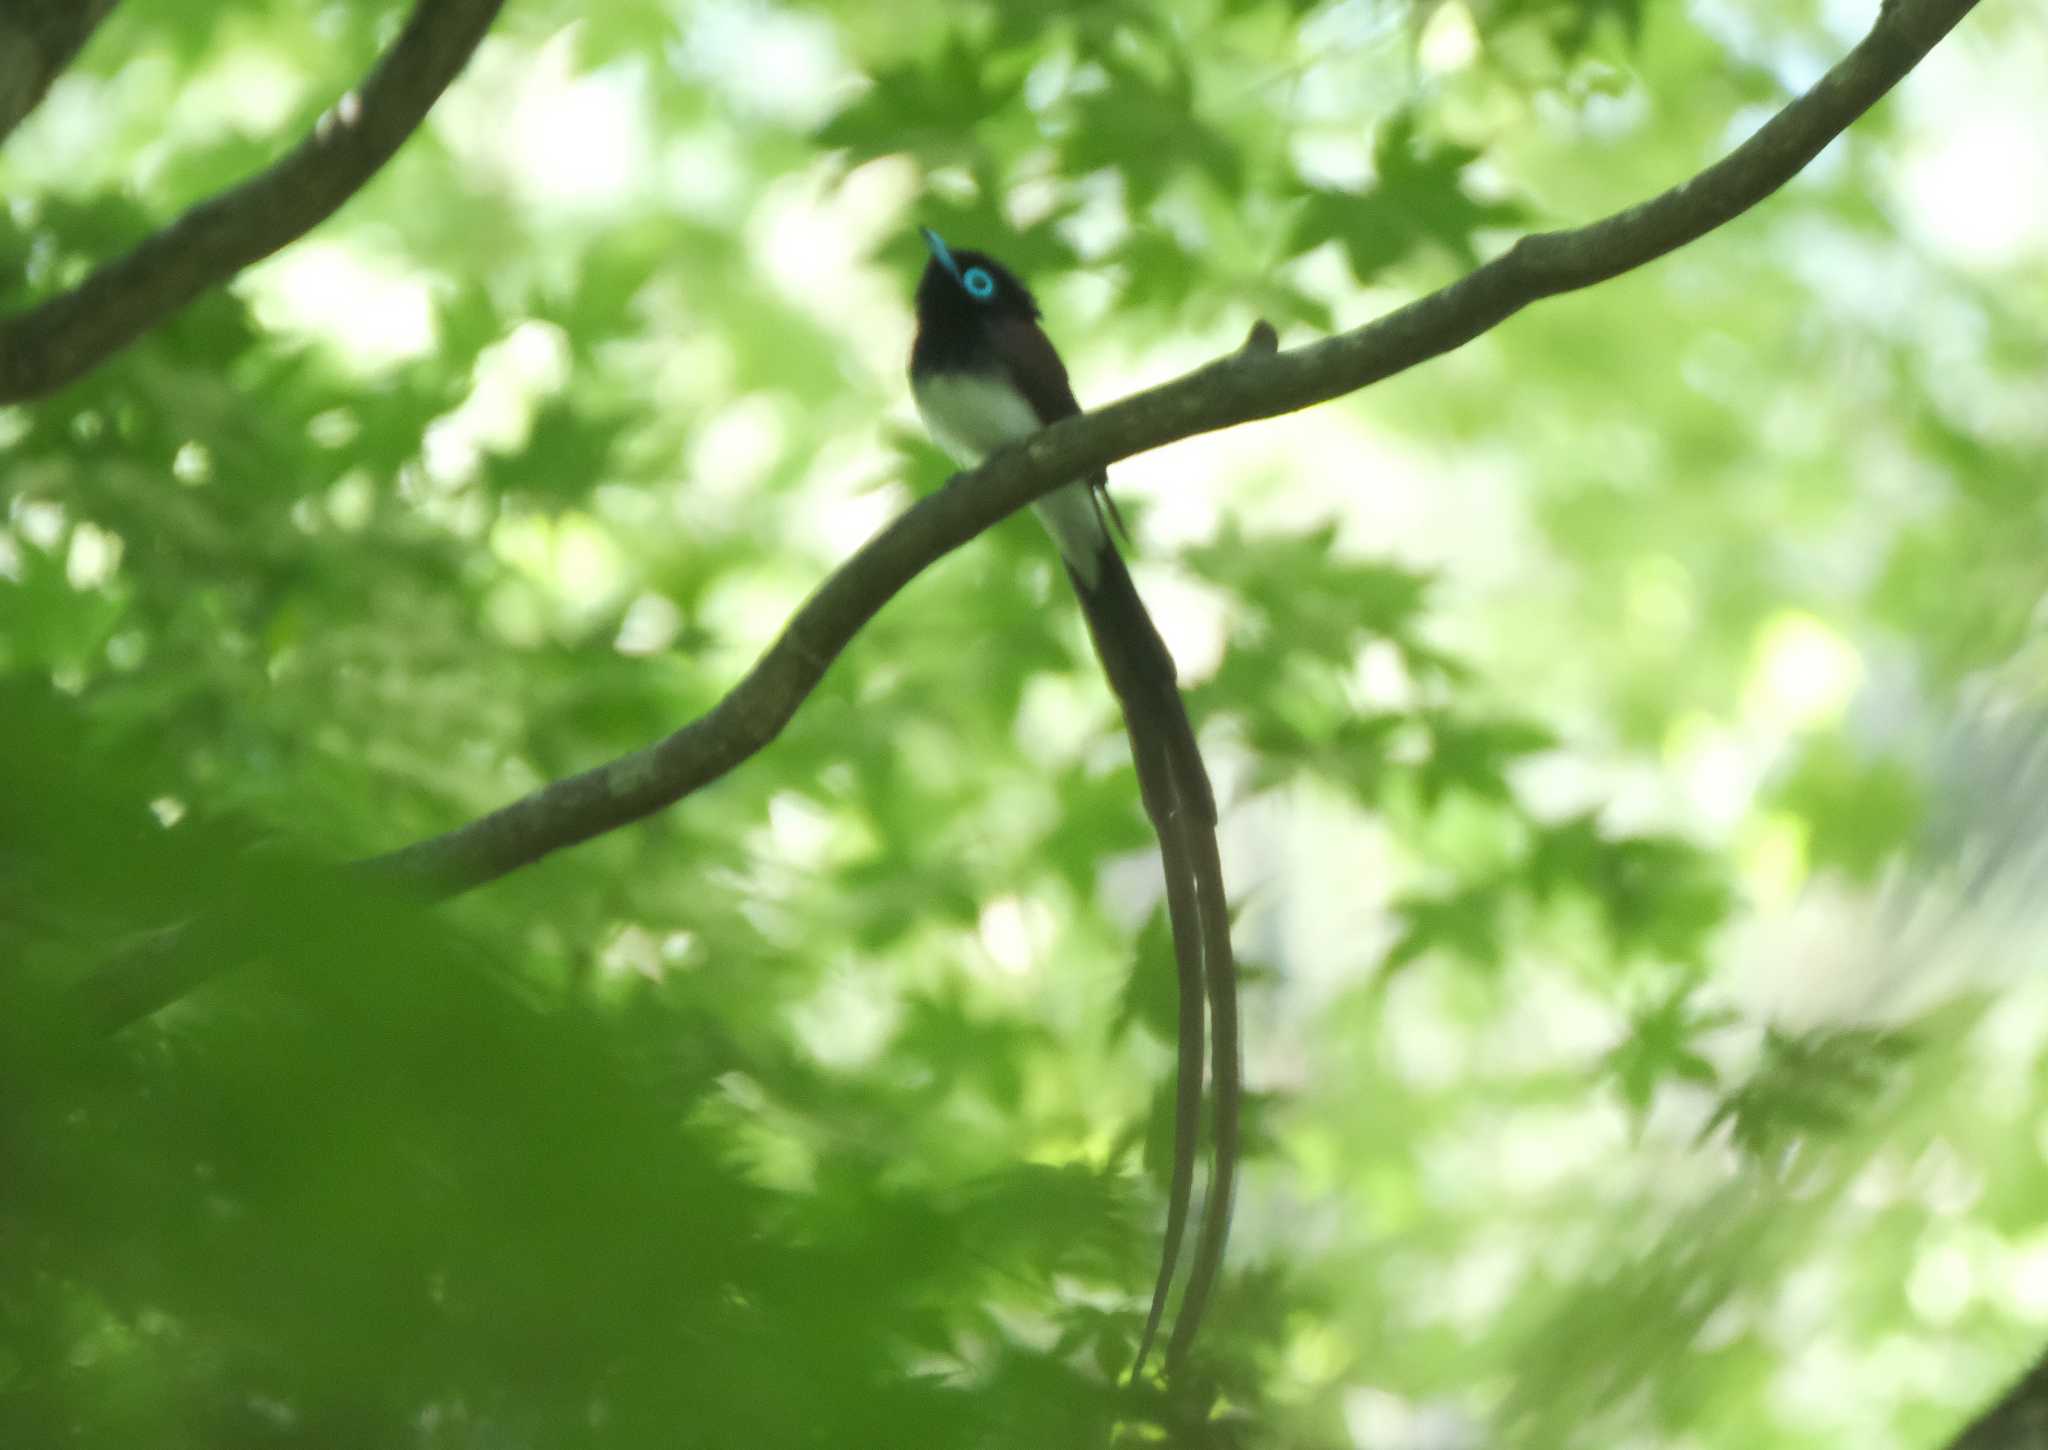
(1035, 367)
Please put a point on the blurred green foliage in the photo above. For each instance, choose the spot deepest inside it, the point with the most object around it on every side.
(830, 1106)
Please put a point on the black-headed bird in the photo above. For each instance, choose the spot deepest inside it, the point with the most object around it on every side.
(984, 375)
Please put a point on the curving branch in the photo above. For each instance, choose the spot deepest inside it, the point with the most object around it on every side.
(2018, 1421)
(1257, 381)
(59, 340)
(38, 39)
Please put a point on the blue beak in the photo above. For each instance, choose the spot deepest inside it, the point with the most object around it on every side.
(941, 252)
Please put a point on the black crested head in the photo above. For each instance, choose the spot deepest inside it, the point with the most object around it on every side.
(974, 285)
(961, 295)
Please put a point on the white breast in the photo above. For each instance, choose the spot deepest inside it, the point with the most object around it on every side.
(971, 417)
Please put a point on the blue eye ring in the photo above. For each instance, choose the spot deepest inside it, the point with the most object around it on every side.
(978, 283)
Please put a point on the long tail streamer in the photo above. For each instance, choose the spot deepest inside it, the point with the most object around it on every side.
(1182, 806)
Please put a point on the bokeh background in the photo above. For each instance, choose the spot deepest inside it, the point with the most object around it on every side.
(1624, 726)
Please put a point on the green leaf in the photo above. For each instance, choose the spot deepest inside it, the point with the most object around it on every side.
(1465, 923)
(1420, 201)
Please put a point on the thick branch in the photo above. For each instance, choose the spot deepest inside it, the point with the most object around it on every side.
(1255, 382)
(1252, 383)
(2019, 1421)
(38, 39)
(59, 340)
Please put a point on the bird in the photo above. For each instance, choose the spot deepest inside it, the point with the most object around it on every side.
(984, 375)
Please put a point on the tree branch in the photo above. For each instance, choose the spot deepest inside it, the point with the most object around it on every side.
(38, 39)
(61, 339)
(1255, 382)
(2018, 1421)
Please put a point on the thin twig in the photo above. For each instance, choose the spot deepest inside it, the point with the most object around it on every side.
(66, 336)
(38, 39)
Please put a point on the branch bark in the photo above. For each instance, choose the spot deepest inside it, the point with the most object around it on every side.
(61, 339)
(1255, 382)
(38, 39)
(2019, 1421)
